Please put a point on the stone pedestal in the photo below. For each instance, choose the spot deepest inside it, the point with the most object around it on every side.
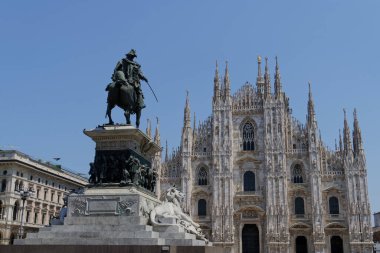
(115, 208)
(123, 155)
(111, 216)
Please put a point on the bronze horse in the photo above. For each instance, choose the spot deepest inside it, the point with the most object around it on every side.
(123, 95)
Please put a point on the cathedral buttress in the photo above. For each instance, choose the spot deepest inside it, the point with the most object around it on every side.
(186, 152)
(315, 176)
(359, 218)
(222, 160)
(275, 122)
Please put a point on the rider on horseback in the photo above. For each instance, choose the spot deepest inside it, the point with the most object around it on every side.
(128, 72)
(125, 89)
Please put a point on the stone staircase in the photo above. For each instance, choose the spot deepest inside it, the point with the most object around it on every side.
(110, 230)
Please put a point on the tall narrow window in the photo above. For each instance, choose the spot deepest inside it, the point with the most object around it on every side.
(248, 137)
(16, 207)
(3, 185)
(297, 174)
(202, 176)
(27, 216)
(249, 181)
(202, 207)
(1, 210)
(299, 207)
(16, 186)
(334, 205)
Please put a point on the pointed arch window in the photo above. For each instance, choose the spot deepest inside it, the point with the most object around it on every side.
(299, 206)
(202, 176)
(249, 181)
(334, 205)
(248, 137)
(202, 207)
(297, 174)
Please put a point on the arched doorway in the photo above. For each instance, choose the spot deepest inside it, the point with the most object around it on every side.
(301, 244)
(336, 244)
(250, 239)
(12, 238)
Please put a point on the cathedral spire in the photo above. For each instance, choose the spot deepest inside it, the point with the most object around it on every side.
(216, 83)
(267, 90)
(148, 128)
(310, 108)
(157, 137)
(166, 151)
(186, 117)
(259, 79)
(194, 125)
(346, 135)
(227, 82)
(340, 142)
(277, 80)
(357, 136)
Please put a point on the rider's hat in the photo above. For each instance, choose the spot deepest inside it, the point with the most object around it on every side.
(132, 53)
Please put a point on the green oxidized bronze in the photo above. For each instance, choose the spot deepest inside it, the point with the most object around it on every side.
(125, 89)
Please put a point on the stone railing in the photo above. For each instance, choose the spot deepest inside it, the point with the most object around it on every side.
(300, 216)
(202, 154)
(297, 151)
(334, 173)
(249, 193)
(237, 108)
(335, 216)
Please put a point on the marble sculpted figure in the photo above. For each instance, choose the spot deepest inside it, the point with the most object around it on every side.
(171, 208)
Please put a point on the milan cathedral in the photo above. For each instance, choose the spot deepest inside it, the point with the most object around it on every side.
(257, 180)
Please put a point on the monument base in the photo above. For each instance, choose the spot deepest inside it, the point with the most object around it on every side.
(111, 216)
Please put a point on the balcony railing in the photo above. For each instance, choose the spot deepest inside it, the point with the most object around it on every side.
(335, 216)
(301, 216)
(249, 193)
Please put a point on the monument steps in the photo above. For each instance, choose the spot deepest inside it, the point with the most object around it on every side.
(92, 241)
(131, 227)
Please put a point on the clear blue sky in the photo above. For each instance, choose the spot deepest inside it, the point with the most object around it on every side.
(56, 58)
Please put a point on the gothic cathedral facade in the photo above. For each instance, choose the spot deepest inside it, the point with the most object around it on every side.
(257, 180)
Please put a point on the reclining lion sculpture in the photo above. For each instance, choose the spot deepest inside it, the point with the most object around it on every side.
(171, 208)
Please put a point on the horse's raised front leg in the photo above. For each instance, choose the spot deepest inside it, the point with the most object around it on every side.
(127, 117)
(108, 113)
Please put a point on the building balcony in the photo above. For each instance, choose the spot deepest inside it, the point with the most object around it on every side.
(300, 216)
(297, 151)
(202, 218)
(335, 216)
(257, 193)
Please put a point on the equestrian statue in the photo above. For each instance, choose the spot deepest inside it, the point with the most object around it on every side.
(125, 89)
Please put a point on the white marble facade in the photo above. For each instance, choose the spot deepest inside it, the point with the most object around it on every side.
(258, 180)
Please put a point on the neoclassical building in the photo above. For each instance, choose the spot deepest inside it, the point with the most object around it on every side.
(258, 180)
(50, 184)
